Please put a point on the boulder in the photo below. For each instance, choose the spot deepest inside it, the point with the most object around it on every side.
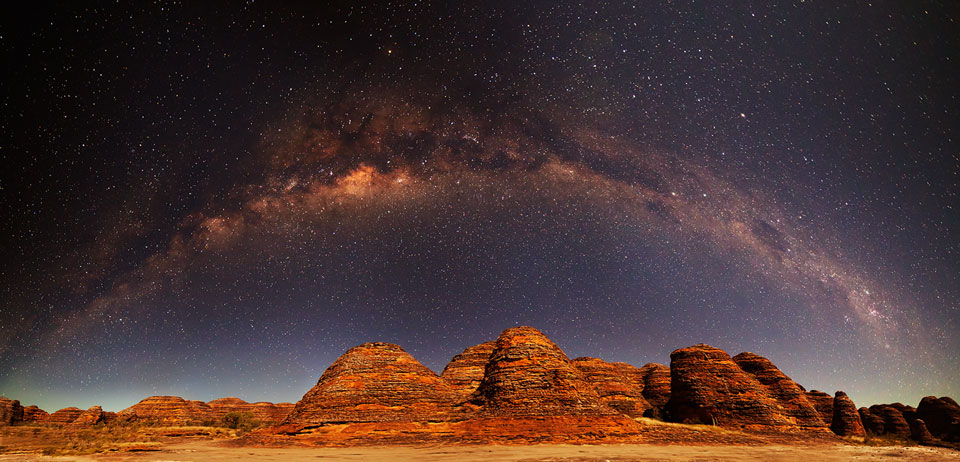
(465, 370)
(619, 385)
(872, 423)
(34, 414)
(941, 416)
(846, 420)
(168, 410)
(528, 375)
(656, 387)
(65, 416)
(893, 421)
(823, 402)
(11, 411)
(791, 397)
(376, 382)
(707, 386)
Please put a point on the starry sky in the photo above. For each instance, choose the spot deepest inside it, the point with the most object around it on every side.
(218, 199)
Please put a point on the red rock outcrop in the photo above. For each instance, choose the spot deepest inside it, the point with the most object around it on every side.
(791, 397)
(707, 386)
(893, 421)
(376, 382)
(65, 415)
(656, 387)
(168, 410)
(846, 420)
(941, 416)
(262, 411)
(619, 385)
(465, 370)
(11, 411)
(919, 432)
(872, 423)
(528, 375)
(34, 414)
(823, 402)
(91, 417)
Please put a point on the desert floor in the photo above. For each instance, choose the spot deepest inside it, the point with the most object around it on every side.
(214, 451)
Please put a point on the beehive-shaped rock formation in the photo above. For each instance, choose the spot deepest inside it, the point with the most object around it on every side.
(376, 382)
(528, 375)
(92, 416)
(790, 396)
(656, 387)
(34, 414)
(707, 386)
(846, 420)
(465, 370)
(823, 402)
(893, 421)
(941, 416)
(262, 411)
(169, 410)
(619, 385)
(11, 411)
(65, 416)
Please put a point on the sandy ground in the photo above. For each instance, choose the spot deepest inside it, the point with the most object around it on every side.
(212, 451)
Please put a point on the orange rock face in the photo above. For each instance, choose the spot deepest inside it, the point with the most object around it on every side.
(707, 386)
(261, 411)
(619, 385)
(791, 397)
(823, 402)
(91, 417)
(656, 386)
(65, 415)
(528, 375)
(376, 382)
(168, 410)
(465, 370)
(34, 414)
(846, 420)
(11, 411)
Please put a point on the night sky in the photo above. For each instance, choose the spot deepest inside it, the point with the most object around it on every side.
(212, 200)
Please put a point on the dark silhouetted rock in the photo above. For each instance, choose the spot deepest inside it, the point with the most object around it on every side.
(823, 402)
(376, 382)
(791, 397)
(941, 416)
(893, 421)
(528, 375)
(707, 386)
(656, 387)
(920, 434)
(465, 370)
(909, 412)
(872, 423)
(65, 416)
(11, 411)
(619, 385)
(846, 420)
(34, 414)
